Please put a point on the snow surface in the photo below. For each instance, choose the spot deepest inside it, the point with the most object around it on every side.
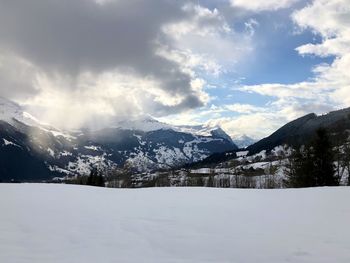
(242, 153)
(69, 224)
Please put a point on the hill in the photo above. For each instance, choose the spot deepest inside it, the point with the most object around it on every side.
(301, 131)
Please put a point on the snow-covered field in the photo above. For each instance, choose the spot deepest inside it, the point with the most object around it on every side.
(62, 223)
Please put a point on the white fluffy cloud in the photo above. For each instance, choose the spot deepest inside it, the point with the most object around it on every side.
(262, 5)
(244, 108)
(256, 125)
(331, 20)
(194, 41)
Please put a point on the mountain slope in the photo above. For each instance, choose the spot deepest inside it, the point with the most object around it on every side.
(34, 151)
(301, 131)
(294, 133)
(17, 162)
(154, 149)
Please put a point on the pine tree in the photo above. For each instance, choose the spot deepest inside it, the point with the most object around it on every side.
(301, 168)
(95, 179)
(313, 165)
(346, 160)
(210, 182)
(292, 169)
(90, 178)
(323, 158)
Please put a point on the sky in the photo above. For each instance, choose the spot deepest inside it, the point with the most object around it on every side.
(248, 66)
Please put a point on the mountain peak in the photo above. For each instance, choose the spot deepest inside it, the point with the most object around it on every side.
(243, 141)
(142, 123)
(217, 131)
(10, 111)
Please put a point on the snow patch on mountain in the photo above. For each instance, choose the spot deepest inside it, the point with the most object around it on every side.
(55, 168)
(85, 163)
(169, 157)
(7, 143)
(51, 152)
(65, 153)
(145, 124)
(201, 130)
(65, 135)
(192, 151)
(93, 148)
(141, 161)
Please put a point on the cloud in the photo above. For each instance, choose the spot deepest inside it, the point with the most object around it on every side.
(302, 90)
(256, 125)
(16, 77)
(330, 20)
(253, 121)
(120, 57)
(250, 26)
(262, 5)
(244, 108)
(256, 122)
(329, 88)
(194, 42)
(71, 36)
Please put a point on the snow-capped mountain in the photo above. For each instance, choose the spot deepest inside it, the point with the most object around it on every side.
(143, 123)
(30, 150)
(243, 141)
(204, 130)
(10, 111)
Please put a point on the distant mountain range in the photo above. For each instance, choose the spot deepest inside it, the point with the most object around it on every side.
(31, 150)
(295, 133)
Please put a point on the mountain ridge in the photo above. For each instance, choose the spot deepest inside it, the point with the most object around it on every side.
(302, 130)
(145, 147)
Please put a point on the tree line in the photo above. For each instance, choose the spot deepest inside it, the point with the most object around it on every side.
(95, 178)
(318, 163)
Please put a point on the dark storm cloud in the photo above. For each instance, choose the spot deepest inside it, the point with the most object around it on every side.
(68, 37)
(16, 78)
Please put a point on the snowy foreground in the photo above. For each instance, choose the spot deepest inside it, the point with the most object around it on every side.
(62, 223)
